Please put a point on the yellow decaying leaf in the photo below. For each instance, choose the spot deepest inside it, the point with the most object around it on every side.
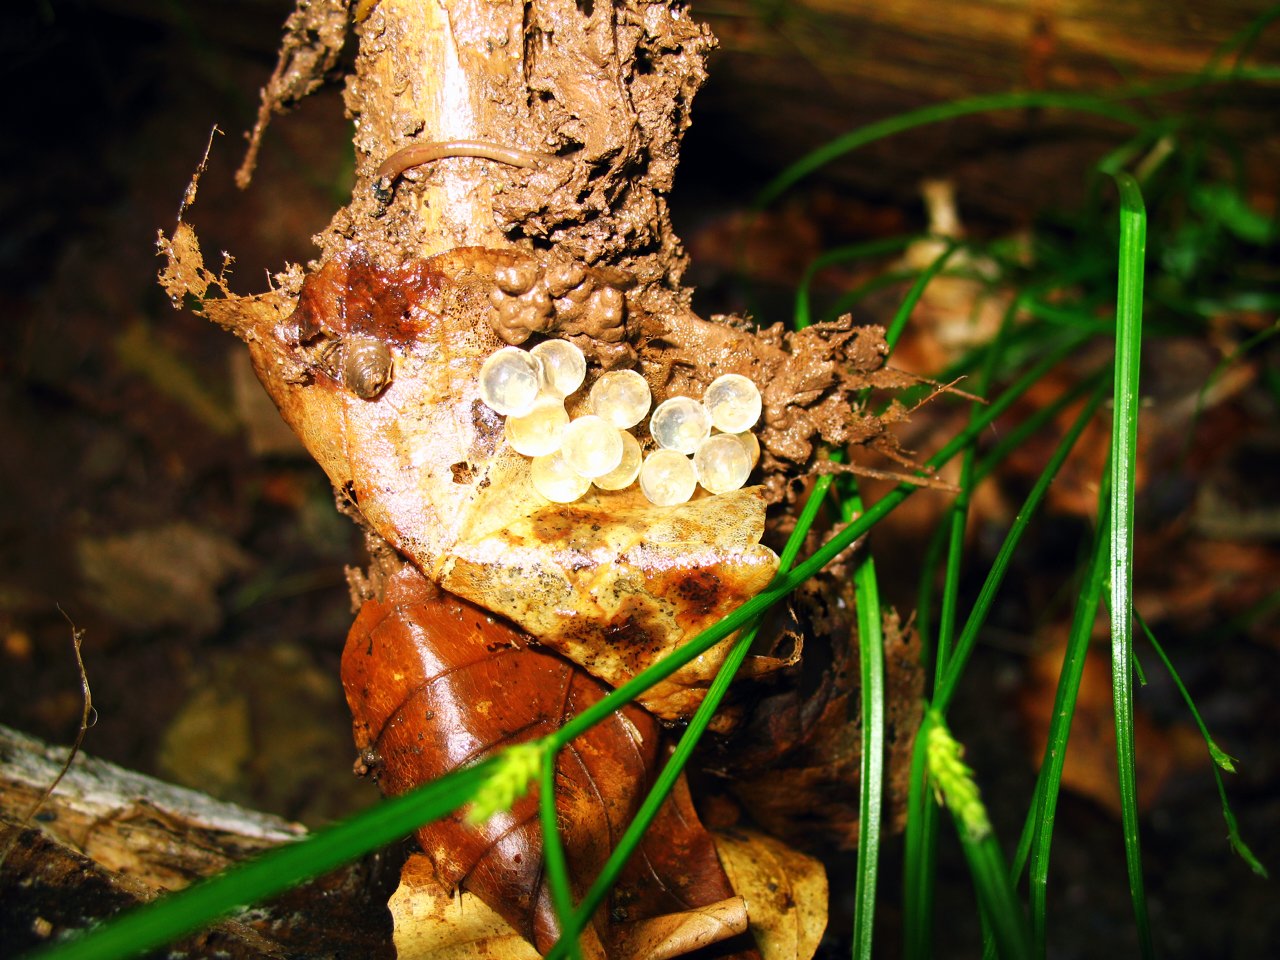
(785, 891)
(677, 934)
(433, 923)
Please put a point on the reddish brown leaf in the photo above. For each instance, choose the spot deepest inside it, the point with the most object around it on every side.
(435, 683)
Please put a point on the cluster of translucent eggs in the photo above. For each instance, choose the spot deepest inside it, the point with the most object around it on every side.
(529, 388)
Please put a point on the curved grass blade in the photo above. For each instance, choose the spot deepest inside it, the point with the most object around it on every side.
(1219, 757)
(803, 314)
(172, 916)
(1044, 807)
(1108, 105)
(937, 113)
(1124, 438)
(553, 851)
(576, 922)
(871, 785)
(921, 823)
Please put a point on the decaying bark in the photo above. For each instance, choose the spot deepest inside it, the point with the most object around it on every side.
(108, 839)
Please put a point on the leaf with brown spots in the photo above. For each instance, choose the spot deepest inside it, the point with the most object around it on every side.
(435, 683)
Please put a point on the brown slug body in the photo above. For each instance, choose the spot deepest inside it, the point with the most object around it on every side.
(366, 366)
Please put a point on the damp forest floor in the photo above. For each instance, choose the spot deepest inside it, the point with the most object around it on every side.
(151, 492)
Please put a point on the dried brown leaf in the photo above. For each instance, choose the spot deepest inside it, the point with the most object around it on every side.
(785, 891)
(435, 683)
(434, 922)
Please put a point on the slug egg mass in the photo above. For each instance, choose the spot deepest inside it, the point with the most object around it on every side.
(552, 477)
(624, 475)
(622, 397)
(510, 381)
(722, 463)
(563, 367)
(680, 424)
(540, 431)
(592, 447)
(667, 478)
(733, 403)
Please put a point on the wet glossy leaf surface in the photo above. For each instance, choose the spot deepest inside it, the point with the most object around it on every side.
(434, 683)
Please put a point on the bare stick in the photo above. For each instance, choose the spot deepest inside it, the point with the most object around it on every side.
(87, 718)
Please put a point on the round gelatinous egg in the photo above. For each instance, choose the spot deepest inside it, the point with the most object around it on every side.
(556, 480)
(592, 446)
(750, 441)
(667, 478)
(733, 402)
(624, 475)
(722, 463)
(539, 431)
(510, 381)
(680, 424)
(563, 367)
(622, 397)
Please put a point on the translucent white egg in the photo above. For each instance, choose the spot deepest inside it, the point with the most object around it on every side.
(556, 480)
(733, 402)
(722, 463)
(592, 446)
(622, 397)
(667, 478)
(510, 381)
(563, 367)
(624, 475)
(680, 424)
(751, 442)
(538, 432)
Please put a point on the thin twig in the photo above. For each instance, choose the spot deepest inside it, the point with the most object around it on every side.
(87, 718)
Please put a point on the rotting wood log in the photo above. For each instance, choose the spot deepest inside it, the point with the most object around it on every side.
(109, 839)
(790, 76)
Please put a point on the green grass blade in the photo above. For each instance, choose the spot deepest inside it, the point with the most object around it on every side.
(925, 843)
(1124, 437)
(921, 822)
(919, 853)
(173, 915)
(995, 576)
(653, 801)
(871, 786)
(666, 779)
(893, 332)
(1044, 808)
(803, 316)
(953, 784)
(935, 114)
(557, 870)
(995, 892)
(1219, 757)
